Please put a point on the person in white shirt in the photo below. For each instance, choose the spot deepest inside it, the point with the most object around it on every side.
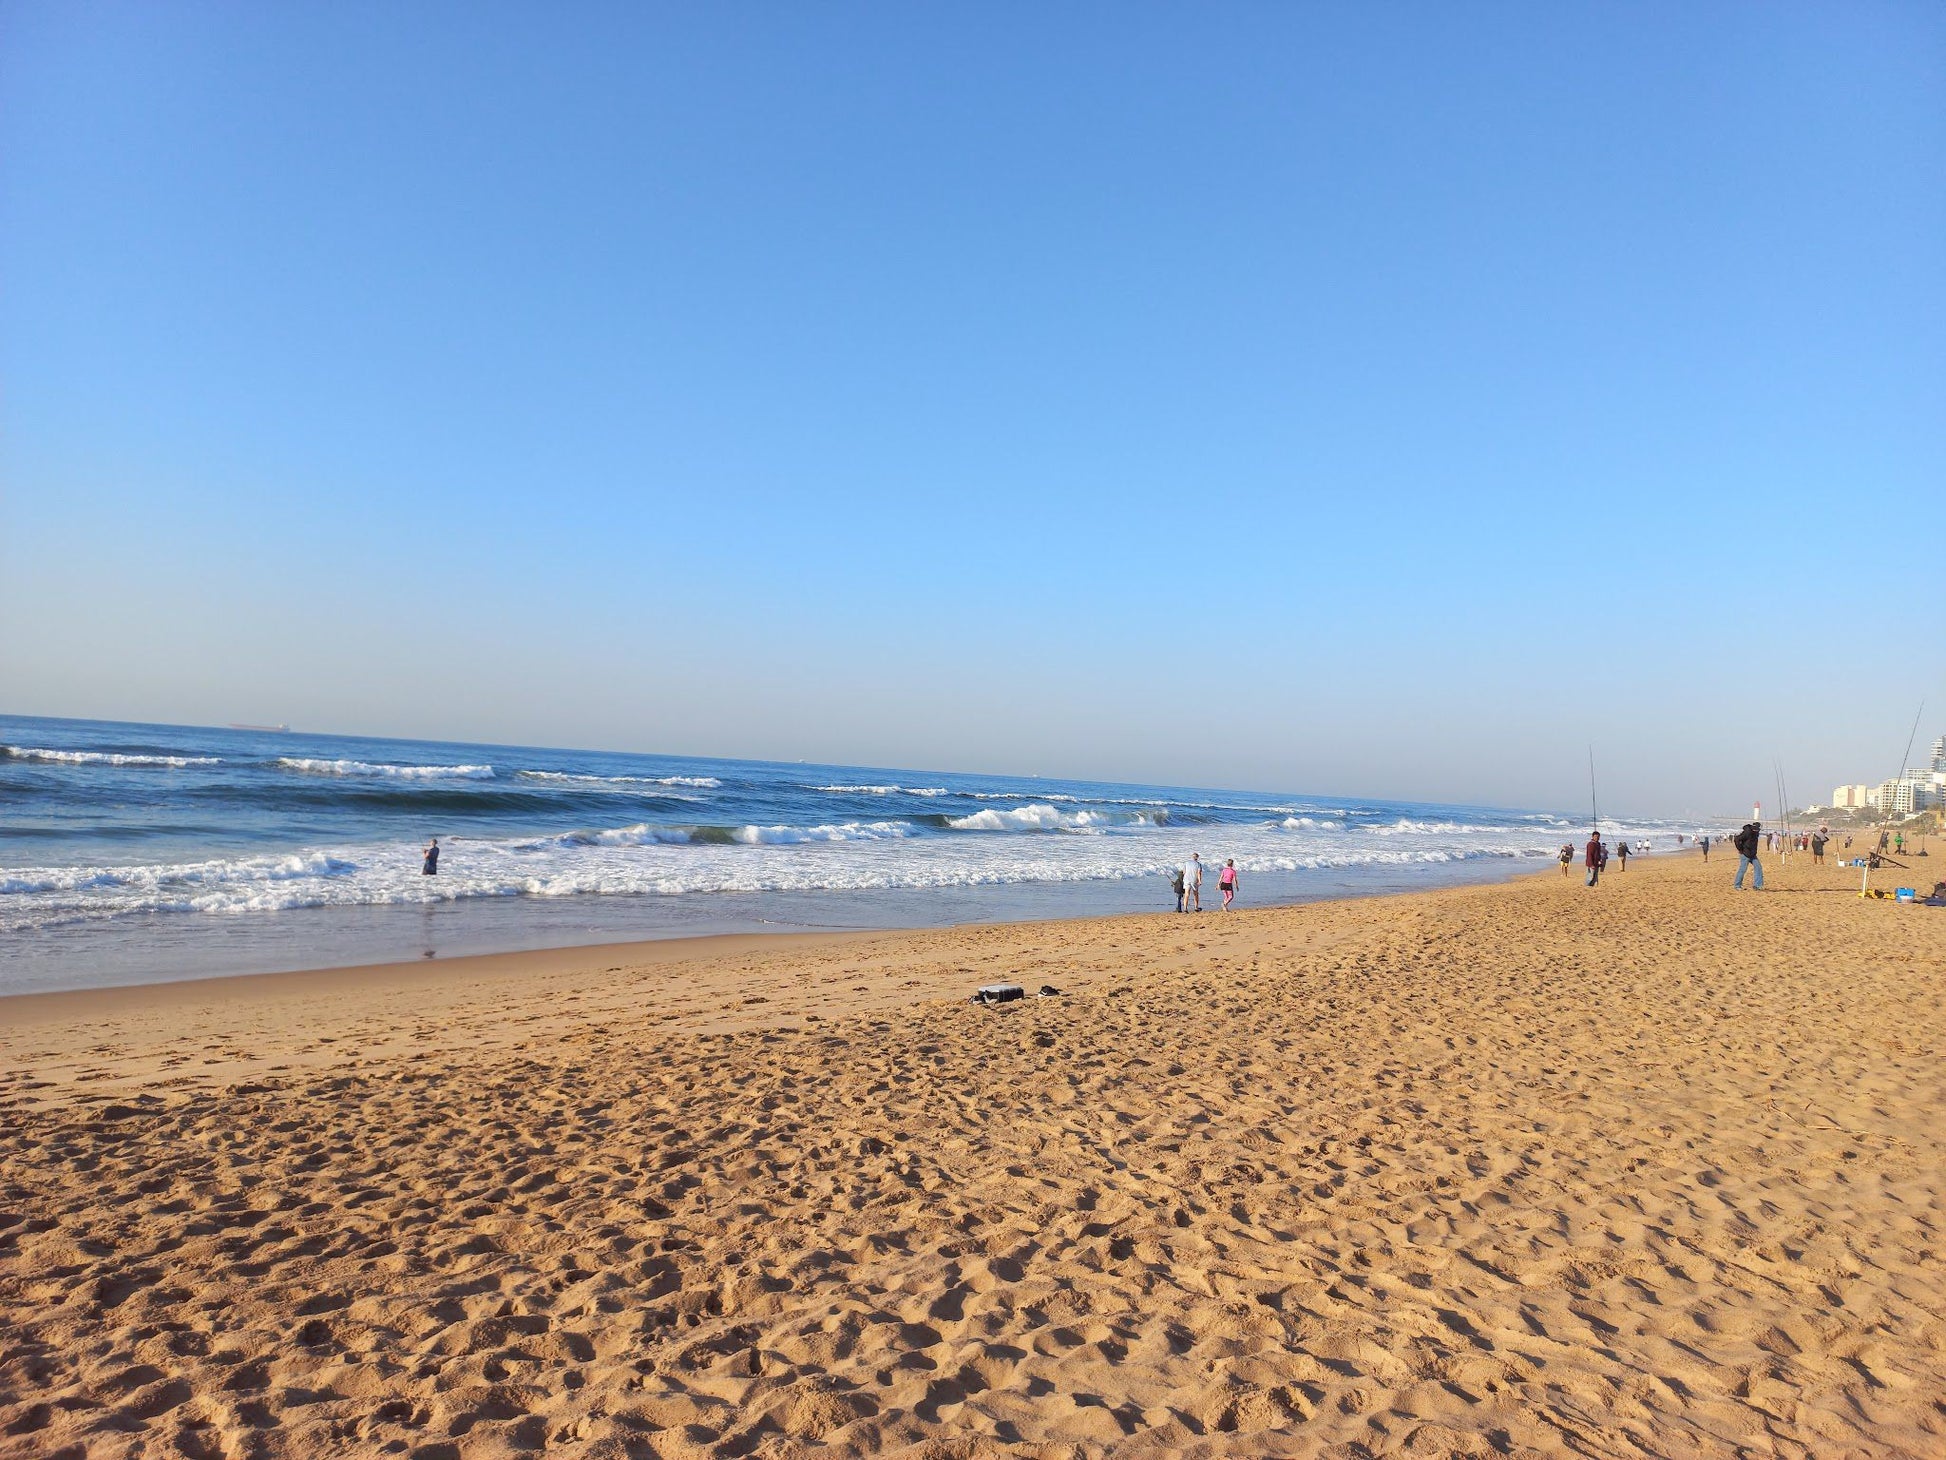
(1192, 882)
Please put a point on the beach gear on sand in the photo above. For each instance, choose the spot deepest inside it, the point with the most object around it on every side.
(1007, 993)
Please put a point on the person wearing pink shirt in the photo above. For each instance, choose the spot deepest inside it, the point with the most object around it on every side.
(1227, 880)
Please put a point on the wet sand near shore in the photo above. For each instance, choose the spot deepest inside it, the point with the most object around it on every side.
(1652, 1169)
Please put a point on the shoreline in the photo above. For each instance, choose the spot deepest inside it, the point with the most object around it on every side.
(181, 949)
(566, 959)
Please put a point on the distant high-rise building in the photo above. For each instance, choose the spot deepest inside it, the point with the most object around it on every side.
(1903, 795)
(1939, 754)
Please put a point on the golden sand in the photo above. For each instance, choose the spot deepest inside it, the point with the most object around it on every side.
(1650, 1170)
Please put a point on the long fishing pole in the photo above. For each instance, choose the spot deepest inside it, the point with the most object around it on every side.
(1884, 811)
(1594, 809)
(1593, 804)
(1906, 760)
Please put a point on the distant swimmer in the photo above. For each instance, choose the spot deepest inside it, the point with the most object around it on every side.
(1749, 842)
(1595, 855)
(1227, 880)
(431, 869)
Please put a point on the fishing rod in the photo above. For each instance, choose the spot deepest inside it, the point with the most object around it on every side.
(1593, 804)
(1885, 811)
(1594, 808)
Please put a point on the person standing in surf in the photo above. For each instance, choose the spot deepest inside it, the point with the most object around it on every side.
(431, 854)
(1227, 880)
(1192, 882)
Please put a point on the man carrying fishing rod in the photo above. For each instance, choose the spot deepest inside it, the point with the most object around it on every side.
(1596, 855)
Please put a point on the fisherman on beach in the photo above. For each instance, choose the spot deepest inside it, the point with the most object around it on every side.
(1749, 842)
(1594, 857)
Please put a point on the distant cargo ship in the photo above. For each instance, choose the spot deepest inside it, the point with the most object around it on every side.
(266, 729)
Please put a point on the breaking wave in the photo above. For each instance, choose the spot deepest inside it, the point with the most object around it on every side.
(396, 772)
(103, 757)
(885, 790)
(565, 778)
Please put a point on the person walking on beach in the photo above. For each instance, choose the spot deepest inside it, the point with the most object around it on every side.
(1621, 851)
(1176, 884)
(1227, 880)
(1567, 858)
(1749, 842)
(1817, 849)
(1704, 843)
(431, 854)
(1594, 856)
(1192, 882)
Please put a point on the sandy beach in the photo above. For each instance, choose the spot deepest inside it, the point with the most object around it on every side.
(1655, 1169)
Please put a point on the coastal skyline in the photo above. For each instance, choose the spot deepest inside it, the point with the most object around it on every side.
(1389, 405)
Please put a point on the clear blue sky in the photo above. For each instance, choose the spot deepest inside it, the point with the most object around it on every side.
(1345, 398)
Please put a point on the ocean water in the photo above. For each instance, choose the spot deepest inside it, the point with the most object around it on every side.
(131, 853)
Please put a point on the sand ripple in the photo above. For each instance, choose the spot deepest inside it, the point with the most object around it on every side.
(1508, 1171)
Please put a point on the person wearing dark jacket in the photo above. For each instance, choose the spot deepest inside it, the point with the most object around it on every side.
(1594, 857)
(1748, 843)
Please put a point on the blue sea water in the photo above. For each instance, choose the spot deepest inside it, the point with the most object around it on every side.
(131, 853)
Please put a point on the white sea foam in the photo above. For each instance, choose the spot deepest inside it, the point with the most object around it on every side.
(616, 783)
(102, 757)
(1038, 817)
(396, 772)
(1046, 817)
(648, 860)
(1405, 826)
(885, 790)
(850, 831)
(1018, 796)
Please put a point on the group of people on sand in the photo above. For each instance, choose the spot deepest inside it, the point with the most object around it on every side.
(1186, 882)
(1753, 840)
(1595, 856)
